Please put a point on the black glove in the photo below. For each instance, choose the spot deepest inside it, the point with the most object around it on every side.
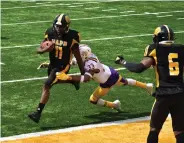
(119, 60)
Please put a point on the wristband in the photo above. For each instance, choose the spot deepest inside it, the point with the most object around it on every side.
(82, 78)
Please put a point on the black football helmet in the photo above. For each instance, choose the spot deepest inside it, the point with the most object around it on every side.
(163, 33)
(61, 24)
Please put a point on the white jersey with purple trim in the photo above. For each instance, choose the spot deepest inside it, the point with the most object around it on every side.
(93, 63)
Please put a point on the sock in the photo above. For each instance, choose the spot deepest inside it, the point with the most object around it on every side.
(40, 107)
(140, 84)
(105, 103)
(180, 138)
(152, 137)
(109, 104)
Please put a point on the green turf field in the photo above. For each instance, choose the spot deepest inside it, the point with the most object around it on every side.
(110, 28)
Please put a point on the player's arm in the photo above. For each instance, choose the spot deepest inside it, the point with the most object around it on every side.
(42, 50)
(76, 52)
(77, 78)
(135, 67)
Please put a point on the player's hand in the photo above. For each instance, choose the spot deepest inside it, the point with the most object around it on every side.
(43, 65)
(119, 60)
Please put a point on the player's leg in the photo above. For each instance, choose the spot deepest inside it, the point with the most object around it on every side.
(177, 114)
(159, 114)
(35, 116)
(133, 82)
(99, 92)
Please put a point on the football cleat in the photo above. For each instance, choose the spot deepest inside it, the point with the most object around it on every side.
(149, 88)
(35, 116)
(43, 65)
(117, 104)
(77, 85)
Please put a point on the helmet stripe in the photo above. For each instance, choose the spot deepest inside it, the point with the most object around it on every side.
(168, 31)
(59, 19)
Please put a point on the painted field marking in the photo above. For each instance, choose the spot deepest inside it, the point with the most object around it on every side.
(109, 9)
(126, 11)
(2, 63)
(180, 18)
(34, 6)
(75, 6)
(91, 40)
(43, 3)
(51, 5)
(39, 78)
(38, 134)
(164, 15)
(88, 18)
(91, 7)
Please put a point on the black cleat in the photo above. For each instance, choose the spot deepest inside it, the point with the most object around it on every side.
(35, 116)
(77, 85)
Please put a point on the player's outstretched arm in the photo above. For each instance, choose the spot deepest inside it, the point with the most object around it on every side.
(76, 52)
(135, 67)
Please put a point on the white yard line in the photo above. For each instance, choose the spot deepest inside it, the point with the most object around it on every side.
(75, 6)
(100, 17)
(71, 129)
(2, 63)
(39, 78)
(164, 15)
(34, 6)
(126, 11)
(91, 40)
(180, 18)
(91, 7)
(109, 9)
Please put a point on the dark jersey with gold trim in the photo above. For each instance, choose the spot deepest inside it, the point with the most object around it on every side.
(61, 55)
(169, 64)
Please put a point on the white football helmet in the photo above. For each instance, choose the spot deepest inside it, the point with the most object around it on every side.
(85, 51)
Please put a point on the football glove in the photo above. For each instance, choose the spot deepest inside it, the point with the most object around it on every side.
(43, 65)
(119, 60)
(63, 76)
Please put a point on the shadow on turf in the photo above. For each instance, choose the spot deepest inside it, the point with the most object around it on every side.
(101, 117)
(4, 38)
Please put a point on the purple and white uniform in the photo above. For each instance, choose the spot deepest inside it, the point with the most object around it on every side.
(107, 76)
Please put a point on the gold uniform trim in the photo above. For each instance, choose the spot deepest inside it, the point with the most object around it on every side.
(153, 54)
(157, 30)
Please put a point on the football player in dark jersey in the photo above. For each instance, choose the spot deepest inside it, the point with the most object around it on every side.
(66, 43)
(167, 58)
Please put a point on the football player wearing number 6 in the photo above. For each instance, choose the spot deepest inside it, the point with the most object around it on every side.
(167, 58)
(66, 43)
(107, 77)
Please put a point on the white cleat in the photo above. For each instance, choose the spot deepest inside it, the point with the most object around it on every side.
(150, 88)
(117, 105)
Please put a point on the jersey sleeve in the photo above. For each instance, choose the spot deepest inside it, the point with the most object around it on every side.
(48, 34)
(150, 51)
(75, 39)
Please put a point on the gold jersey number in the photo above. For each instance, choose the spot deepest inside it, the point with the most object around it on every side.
(59, 49)
(173, 66)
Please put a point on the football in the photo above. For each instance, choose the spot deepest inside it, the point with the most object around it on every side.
(47, 45)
